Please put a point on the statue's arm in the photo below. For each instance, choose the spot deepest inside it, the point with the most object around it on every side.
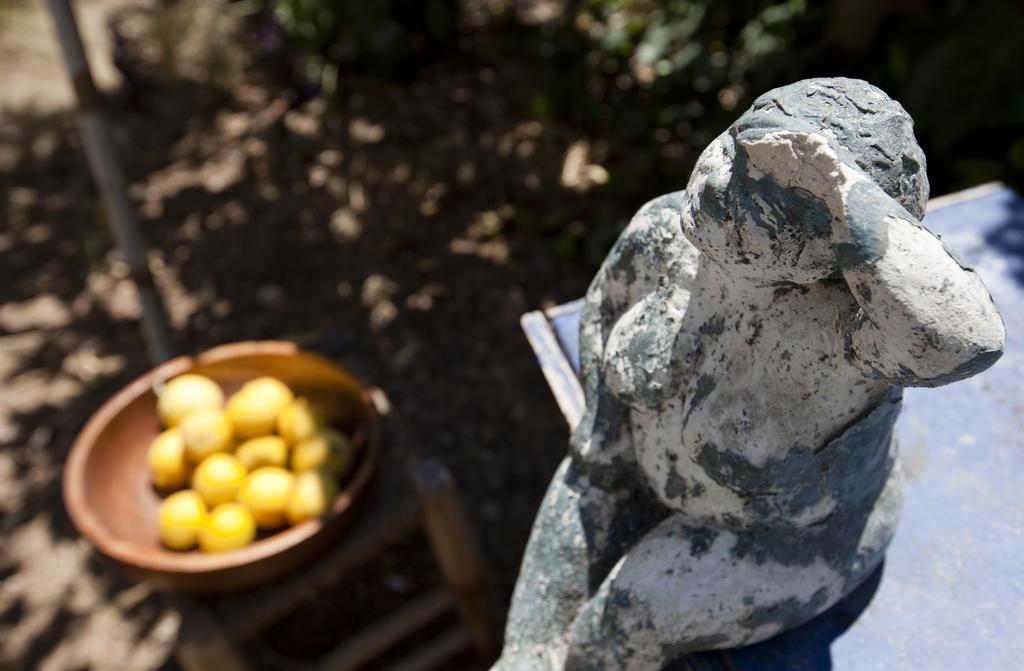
(925, 318)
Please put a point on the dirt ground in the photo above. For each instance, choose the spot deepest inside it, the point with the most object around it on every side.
(379, 234)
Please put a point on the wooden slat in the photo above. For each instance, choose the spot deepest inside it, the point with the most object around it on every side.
(454, 543)
(432, 654)
(557, 371)
(964, 196)
(377, 638)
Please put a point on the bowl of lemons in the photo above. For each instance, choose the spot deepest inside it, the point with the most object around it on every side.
(226, 470)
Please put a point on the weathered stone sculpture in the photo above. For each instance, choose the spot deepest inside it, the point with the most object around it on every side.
(743, 350)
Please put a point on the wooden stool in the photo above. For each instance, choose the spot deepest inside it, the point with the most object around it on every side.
(212, 628)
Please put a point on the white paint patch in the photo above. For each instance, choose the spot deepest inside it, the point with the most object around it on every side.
(815, 513)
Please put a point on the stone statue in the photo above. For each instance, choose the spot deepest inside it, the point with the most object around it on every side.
(743, 351)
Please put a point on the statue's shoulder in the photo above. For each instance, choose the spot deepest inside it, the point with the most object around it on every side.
(640, 359)
(652, 251)
(651, 246)
(637, 301)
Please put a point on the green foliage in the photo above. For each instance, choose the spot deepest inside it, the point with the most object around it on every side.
(657, 80)
(383, 37)
(660, 79)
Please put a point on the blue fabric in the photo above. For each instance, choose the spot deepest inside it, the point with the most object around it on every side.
(950, 594)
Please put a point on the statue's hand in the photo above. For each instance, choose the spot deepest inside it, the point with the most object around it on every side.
(925, 317)
(796, 159)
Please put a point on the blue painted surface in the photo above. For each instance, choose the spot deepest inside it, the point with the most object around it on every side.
(567, 328)
(950, 595)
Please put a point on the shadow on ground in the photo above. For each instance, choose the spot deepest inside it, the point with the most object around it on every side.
(403, 235)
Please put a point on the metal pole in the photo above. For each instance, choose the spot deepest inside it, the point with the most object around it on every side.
(106, 172)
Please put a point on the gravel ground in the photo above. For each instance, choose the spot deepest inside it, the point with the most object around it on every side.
(381, 234)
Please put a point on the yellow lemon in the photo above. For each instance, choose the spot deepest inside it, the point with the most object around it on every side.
(312, 453)
(327, 449)
(218, 478)
(181, 515)
(205, 432)
(298, 421)
(254, 409)
(266, 493)
(263, 451)
(312, 495)
(270, 387)
(229, 526)
(166, 459)
(184, 395)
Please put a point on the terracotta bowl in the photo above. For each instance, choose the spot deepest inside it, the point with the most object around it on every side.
(109, 496)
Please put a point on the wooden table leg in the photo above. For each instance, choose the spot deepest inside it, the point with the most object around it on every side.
(454, 545)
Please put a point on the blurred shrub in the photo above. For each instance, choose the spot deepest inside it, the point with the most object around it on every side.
(661, 79)
(654, 81)
(669, 76)
(191, 39)
(958, 68)
(384, 37)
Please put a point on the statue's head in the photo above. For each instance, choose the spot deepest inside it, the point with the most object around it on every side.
(760, 230)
